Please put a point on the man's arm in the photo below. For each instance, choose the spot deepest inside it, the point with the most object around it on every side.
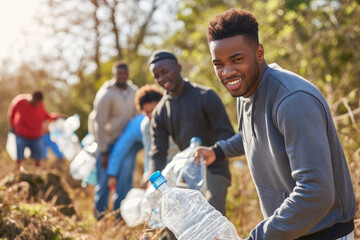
(123, 145)
(223, 149)
(302, 120)
(231, 147)
(146, 140)
(159, 145)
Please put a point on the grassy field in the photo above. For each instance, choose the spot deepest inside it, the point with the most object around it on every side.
(34, 206)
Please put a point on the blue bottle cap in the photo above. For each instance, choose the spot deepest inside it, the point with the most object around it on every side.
(154, 176)
(157, 179)
(195, 139)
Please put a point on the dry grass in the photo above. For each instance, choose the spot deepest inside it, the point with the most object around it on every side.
(44, 218)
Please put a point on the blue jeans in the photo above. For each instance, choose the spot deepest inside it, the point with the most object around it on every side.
(48, 143)
(35, 145)
(125, 176)
(124, 183)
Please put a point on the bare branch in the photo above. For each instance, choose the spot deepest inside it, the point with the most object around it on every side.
(143, 29)
(350, 114)
(112, 5)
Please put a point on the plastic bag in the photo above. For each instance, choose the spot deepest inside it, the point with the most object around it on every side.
(62, 132)
(12, 149)
(131, 207)
(84, 162)
(11, 145)
(91, 179)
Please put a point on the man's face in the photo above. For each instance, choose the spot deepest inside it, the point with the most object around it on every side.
(121, 74)
(236, 62)
(167, 74)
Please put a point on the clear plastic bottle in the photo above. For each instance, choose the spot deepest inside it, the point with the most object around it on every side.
(189, 216)
(184, 172)
(194, 173)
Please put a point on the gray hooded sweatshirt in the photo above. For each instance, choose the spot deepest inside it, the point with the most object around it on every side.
(295, 158)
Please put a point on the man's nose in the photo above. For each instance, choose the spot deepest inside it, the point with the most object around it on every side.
(160, 78)
(228, 71)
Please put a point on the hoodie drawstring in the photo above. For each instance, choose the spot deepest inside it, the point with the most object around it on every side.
(253, 116)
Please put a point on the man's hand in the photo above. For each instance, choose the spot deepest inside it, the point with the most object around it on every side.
(112, 182)
(207, 153)
(104, 159)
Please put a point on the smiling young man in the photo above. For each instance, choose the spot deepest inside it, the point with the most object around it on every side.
(288, 136)
(188, 110)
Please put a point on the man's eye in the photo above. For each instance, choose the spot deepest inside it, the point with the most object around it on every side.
(238, 59)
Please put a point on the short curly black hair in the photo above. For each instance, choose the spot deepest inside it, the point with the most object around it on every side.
(147, 94)
(231, 23)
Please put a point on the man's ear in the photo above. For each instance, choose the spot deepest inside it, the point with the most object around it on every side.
(260, 53)
(180, 68)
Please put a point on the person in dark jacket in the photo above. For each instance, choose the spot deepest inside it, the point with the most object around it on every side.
(188, 110)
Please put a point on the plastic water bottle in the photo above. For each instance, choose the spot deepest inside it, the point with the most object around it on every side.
(184, 172)
(189, 216)
(151, 208)
(194, 173)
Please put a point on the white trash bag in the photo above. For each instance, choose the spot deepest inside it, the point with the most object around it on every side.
(62, 132)
(84, 162)
(12, 149)
(131, 207)
(11, 145)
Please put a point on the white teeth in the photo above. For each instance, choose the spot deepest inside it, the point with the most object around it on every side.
(233, 82)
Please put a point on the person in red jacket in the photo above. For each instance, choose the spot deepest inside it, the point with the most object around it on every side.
(26, 115)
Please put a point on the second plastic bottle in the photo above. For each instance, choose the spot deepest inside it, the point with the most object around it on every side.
(188, 215)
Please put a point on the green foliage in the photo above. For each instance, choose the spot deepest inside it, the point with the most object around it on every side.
(192, 48)
(33, 209)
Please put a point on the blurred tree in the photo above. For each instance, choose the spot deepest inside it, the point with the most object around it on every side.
(83, 40)
(89, 35)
